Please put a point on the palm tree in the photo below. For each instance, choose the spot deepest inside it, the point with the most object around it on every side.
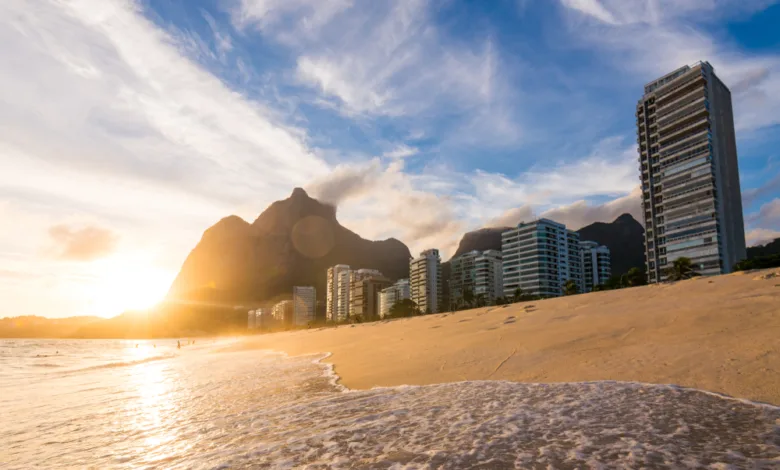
(570, 287)
(682, 268)
(468, 297)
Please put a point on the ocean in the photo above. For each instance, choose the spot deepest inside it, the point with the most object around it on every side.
(130, 404)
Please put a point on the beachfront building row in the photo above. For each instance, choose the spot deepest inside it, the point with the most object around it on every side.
(392, 295)
(476, 278)
(689, 173)
(425, 281)
(354, 294)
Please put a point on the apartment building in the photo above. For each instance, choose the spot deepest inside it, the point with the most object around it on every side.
(596, 265)
(304, 305)
(425, 286)
(479, 273)
(691, 196)
(333, 291)
(539, 257)
(364, 295)
(389, 296)
(283, 312)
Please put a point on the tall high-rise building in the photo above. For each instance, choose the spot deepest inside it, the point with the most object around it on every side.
(479, 273)
(539, 257)
(332, 294)
(304, 305)
(342, 302)
(389, 296)
(251, 320)
(689, 172)
(354, 307)
(596, 265)
(425, 286)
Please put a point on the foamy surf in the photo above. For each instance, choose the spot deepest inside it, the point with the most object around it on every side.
(258, 409)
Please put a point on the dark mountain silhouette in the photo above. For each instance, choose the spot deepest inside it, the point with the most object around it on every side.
(625, 239)
(771, 248)
(293, 242)
(481, 240)
(39, 327)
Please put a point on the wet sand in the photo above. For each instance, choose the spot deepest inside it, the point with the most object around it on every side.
(720, 334)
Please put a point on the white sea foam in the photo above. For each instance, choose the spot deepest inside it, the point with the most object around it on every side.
(259, 409)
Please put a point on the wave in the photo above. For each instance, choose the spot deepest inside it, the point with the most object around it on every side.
(112, 365)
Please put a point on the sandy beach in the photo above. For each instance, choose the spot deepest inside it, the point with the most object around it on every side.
(720, 334)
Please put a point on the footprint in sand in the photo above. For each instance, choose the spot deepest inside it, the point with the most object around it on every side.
(509, 319)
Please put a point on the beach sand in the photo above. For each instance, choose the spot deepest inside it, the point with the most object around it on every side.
(720, 334)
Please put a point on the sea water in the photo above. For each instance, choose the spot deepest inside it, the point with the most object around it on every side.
(129, 404)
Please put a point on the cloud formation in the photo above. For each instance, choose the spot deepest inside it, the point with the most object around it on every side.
(82, 244)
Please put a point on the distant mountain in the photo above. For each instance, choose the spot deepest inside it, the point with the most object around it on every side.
(625, 239)
(481, 240)
(293, 242)
(771, 248)
(39, 327)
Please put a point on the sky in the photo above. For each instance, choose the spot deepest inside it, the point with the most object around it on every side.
(129, 127)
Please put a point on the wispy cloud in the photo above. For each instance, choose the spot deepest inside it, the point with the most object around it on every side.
(82, 244)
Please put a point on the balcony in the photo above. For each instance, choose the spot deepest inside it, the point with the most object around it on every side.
(680, 90)
(687, 141)
(681, 103)
(689, 115)
(683, 129)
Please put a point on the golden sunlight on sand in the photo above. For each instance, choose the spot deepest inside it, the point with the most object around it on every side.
(720, 334)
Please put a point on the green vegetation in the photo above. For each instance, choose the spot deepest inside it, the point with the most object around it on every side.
(633, 278)
(760, 262)
(682, 268)
(570, 288)
(404, 308)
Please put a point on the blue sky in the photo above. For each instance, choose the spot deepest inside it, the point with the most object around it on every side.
(128, 127)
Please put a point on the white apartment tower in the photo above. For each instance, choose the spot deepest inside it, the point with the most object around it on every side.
(539, 257)
(479, 272)
(304, 304)
(596, 265)
(425, 281)
(332, 295)
(689, 172)
(389, 296)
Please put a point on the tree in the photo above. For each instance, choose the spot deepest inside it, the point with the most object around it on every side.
(635, 277)
(682, 268)
(468, 297)
(480, 300)
(570, 287)
(760, 262)
(404, 308)
(518, 295)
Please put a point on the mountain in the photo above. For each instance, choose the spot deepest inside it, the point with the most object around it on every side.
(771, 248)
(292, 243)
(39, 327)
(481, 240)
(625, 239)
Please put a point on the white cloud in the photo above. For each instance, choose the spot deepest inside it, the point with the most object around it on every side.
(761, 236)
(650, 38)
(401, 151)
(104, 115)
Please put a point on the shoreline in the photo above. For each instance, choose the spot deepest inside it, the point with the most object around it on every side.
(716, 335)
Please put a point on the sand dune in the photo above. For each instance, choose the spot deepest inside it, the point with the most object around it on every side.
(720, 334)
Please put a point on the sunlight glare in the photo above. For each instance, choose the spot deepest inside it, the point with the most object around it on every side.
(128, 284)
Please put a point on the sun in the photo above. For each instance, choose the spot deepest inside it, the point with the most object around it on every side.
(127, 283)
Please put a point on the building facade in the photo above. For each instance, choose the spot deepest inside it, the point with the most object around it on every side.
(251, 320)
(283, 312)
(304, 305)
(333, 291)
(479, 273)
(689, 171)
(342, 302)
(364, 296)
(596, 265)
(539, 257)
(425, 286)
(389, 296)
